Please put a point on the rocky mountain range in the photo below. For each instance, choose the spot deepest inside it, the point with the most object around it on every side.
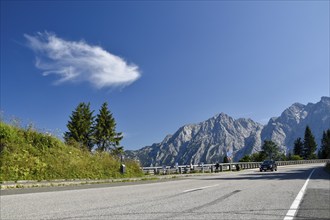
(221, 135)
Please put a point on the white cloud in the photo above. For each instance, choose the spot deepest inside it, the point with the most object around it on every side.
(74, 61)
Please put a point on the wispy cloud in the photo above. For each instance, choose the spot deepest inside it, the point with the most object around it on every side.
(77, 61)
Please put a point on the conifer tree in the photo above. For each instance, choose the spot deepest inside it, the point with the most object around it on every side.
(325, 147)
(309, 144)
(298, 147)
(105, 135)
(117, 151)
(270, 149)
(80, 127)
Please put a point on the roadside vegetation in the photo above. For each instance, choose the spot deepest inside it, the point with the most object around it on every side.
(26, 154)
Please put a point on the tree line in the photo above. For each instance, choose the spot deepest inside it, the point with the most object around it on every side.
(303, 149)
(91, 132)
(306, 149)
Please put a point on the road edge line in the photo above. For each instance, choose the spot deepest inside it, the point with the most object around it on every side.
(294, 207)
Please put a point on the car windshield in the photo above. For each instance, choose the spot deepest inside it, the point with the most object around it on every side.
(266, 162)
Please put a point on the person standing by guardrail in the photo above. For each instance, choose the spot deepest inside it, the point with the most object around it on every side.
(217, 166)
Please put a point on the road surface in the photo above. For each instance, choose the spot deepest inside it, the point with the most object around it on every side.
(247, 194)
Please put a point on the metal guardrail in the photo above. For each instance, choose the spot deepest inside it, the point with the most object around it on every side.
(219, 167)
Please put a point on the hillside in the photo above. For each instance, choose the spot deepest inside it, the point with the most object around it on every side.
(26, 154)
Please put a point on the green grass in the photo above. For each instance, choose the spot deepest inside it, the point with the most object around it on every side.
(26, 154)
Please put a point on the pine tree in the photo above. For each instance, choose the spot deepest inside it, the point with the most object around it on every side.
(271, 149)
(309, 145)
(298, 147)
(105, 134)
(117, 151)
(325, 147)
(80, 127)
(258, 156)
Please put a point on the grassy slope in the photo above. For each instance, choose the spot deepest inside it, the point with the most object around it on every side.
(26, 154)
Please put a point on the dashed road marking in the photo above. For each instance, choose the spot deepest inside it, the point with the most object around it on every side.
(200, 188)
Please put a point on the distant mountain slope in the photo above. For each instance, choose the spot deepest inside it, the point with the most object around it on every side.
(211, 140)
(292, 123)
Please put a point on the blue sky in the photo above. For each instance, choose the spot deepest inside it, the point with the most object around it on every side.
(160, 64)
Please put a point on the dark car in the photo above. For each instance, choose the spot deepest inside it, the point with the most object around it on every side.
(268, 165)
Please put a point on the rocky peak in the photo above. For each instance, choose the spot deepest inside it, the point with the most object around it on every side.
(210, 140)
(325, 100)
(293, 121)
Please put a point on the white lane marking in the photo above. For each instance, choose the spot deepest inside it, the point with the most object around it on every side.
(200, 188)
(294, 207)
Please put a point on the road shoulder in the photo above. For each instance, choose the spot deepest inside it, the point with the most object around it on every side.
(316, 201)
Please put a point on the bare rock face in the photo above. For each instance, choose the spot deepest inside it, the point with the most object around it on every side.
(284, 130)
(210, 140)
(207, 142)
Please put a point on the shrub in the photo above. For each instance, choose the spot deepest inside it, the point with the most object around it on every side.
(296, 157)
(246, 158)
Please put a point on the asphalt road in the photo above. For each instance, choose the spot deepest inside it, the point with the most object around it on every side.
(246, 194)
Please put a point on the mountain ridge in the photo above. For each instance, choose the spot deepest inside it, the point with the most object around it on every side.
(210, 140)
